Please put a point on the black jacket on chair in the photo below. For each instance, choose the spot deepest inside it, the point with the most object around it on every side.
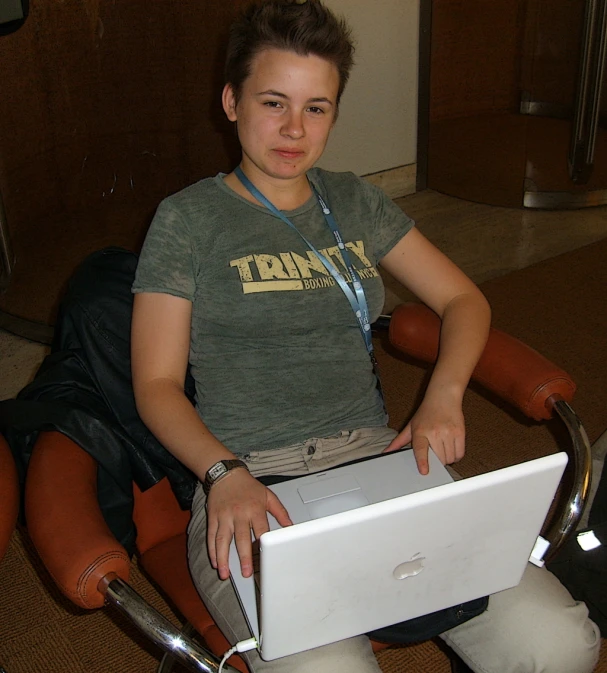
(83, 389)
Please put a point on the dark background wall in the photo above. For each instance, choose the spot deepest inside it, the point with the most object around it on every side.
(105, 108)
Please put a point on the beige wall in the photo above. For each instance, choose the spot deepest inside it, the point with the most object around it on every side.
(377, 127)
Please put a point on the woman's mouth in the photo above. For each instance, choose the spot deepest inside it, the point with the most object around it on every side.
(287, 153)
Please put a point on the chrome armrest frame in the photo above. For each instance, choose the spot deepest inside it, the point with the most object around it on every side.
(582, 475)
(160, 631)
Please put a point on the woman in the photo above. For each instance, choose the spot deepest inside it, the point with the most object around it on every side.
(273, 316)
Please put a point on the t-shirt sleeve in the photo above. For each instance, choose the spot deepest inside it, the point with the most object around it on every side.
(390, 223)
(166, 262)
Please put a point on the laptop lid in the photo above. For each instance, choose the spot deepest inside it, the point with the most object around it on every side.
(392, 557)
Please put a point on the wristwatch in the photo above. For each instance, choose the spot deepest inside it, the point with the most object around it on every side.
(219, 471)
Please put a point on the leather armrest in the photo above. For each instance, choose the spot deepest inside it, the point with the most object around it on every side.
(157, 515)
(9, 495)
(508, 367)
(65, 523)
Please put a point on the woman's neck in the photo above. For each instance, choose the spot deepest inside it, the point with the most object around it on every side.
(284, 194)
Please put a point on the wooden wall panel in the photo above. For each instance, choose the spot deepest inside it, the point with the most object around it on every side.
(106, 107)
(106, 102)
(475, 56)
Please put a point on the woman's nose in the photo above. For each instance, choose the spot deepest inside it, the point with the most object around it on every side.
(293, 126)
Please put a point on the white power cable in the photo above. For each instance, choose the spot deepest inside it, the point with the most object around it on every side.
(242, 646)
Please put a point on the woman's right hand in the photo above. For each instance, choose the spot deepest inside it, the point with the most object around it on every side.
(236, 505)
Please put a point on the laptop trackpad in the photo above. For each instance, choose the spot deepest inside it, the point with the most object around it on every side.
(332, 495)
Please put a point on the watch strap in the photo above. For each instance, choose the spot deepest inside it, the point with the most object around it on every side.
(219, 470)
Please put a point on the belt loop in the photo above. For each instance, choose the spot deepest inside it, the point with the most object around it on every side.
(318, 447)
(311, 451)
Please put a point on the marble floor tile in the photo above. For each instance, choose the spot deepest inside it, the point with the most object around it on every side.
(490, 241)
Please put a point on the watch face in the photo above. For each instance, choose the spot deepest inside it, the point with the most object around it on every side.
(216, 471)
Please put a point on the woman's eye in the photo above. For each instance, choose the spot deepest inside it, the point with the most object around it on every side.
(316, 110)
(272, 103)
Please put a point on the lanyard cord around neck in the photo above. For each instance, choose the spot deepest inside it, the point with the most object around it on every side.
(357, 299)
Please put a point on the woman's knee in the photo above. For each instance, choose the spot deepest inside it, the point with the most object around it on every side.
(567, 642)
(560, 636)
(537, 626)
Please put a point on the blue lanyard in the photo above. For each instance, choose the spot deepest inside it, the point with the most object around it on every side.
(357, 299)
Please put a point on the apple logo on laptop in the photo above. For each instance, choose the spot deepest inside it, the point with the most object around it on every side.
(409, 568)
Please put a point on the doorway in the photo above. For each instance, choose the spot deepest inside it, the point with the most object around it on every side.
(516, 101)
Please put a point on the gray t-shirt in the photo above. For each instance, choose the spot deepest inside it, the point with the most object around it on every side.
(276, 351)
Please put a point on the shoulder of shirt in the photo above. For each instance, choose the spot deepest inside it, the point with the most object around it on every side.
(201, 190)
(320, 176)
(344, 183)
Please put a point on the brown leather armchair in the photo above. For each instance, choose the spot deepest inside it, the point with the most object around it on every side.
(9, 495)
(91, 568)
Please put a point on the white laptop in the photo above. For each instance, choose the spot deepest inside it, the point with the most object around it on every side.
(376, 543)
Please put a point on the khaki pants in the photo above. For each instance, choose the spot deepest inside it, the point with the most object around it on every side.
(535, 627)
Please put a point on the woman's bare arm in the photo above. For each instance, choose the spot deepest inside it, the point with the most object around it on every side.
(465, 315)
(237, 504)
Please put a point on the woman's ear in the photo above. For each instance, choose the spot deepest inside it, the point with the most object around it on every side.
(228, 101)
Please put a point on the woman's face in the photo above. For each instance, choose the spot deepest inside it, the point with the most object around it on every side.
(285, 113)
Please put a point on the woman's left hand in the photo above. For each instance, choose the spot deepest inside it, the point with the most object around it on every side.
(438, 423)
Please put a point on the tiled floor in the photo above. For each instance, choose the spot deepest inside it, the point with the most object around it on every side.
(490, 241)
(19, 360)
(485, 241)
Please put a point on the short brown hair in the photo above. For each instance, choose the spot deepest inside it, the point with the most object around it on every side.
(304, 27)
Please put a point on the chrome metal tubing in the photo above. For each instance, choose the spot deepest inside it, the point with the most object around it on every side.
(7, 258)
(597, 80)
(582, 475)
(588, 96)
(160, 631)
(578, 170)
(166, 665)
